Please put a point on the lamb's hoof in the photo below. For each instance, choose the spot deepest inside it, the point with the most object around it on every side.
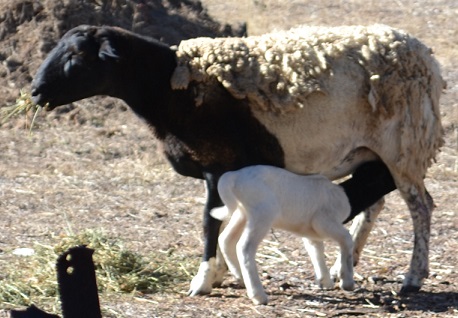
(326, 283)
(260, 299)
(240, 282)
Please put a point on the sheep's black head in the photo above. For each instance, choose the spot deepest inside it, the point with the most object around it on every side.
(81, 65)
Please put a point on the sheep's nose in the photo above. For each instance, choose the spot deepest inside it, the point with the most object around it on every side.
(36, 96)
(34, 91)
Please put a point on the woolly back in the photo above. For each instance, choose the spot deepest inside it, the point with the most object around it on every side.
(277, 71)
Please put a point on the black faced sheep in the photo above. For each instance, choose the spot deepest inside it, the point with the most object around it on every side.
(258, 198)
(311, 100)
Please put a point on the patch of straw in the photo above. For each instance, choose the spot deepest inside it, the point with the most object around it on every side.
(32, 279)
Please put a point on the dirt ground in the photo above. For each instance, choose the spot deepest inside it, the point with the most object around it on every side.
(94, 165)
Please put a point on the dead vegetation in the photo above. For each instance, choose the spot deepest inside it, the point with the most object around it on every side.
(31, 275)
(94, 166)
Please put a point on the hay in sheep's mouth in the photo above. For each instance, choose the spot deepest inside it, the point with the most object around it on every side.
(23, 105)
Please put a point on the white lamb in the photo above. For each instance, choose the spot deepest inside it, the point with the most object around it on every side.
(262, 197)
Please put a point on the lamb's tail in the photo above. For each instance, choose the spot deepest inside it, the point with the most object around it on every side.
(221, 213)
(226, 192)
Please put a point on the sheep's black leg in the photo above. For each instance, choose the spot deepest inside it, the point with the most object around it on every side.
(208, 274)
(211, 225)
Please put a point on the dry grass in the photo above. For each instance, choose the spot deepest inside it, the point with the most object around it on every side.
(30, 275)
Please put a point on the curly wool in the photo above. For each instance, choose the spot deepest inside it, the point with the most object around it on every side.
(277, 71)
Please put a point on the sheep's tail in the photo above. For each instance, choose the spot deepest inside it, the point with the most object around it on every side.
(226, 191)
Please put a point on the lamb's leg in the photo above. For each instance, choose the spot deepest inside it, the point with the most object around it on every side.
(221, 269)
(345, 259)
(246, 252)
(228, 241)
(361, 227)
(315, 249)
(360, 230)
(211, 269)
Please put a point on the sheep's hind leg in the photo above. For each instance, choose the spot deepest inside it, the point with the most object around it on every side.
(420, 206)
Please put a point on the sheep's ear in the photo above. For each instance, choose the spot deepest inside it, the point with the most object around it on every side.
(107, 51)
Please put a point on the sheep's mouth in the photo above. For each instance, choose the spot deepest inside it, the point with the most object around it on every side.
(39, 98)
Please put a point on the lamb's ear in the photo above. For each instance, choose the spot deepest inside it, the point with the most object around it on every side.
(107, 51)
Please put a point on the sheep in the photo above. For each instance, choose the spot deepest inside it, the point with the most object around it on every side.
(312, 100)
(258, 198)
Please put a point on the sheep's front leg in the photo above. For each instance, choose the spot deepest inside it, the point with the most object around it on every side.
(213, 266)
(361, 228)
(315, 249)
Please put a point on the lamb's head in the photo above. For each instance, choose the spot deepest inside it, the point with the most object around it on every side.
(81, 65)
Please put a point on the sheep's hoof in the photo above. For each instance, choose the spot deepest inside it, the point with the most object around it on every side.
(202, 283)
(409, 289)
(347, 285)
(411, 284)
(198, 290)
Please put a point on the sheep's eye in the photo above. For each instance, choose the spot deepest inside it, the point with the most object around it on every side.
(68, 65)
(75, 60)
(72, 62)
